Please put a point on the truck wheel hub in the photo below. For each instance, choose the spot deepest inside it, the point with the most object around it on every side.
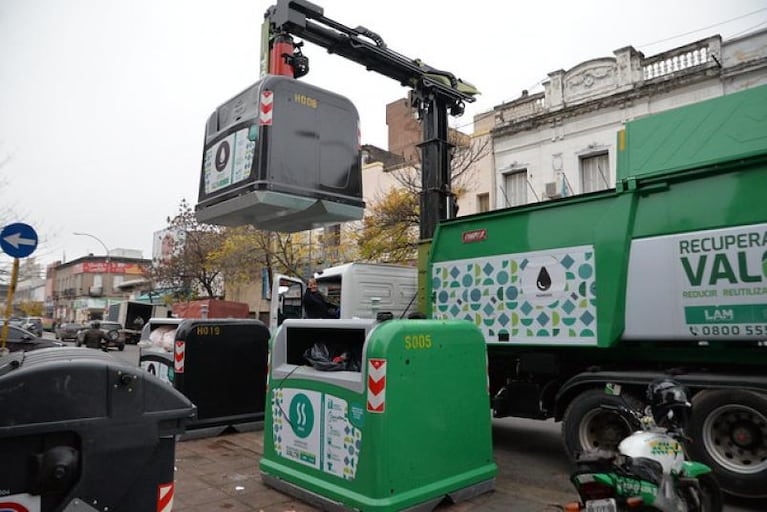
(745, 435)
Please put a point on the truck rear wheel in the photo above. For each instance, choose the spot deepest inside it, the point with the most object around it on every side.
(730, 430)
(587, 426)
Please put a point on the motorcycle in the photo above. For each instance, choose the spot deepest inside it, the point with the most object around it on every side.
(649, 471)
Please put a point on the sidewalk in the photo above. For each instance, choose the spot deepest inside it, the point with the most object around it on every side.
(221, 473)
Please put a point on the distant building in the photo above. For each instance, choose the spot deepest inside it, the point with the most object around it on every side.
(562, 141)
(83, 289)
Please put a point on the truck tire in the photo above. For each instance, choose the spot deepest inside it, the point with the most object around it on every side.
(586, 426)
(730, 432)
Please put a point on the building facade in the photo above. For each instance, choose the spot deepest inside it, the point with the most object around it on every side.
(562, 141)
(83, 289)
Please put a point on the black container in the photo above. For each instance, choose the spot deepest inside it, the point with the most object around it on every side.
(282, 155)
(80, 429)
(221, 366)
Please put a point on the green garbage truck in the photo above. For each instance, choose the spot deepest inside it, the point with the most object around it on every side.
(664, 274)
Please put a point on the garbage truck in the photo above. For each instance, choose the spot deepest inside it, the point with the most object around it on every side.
(132, 315)
(664, 274)
(359, 290)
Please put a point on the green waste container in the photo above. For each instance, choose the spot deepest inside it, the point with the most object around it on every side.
(394, 416)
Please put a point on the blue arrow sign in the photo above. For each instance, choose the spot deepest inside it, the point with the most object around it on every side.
(18, 240)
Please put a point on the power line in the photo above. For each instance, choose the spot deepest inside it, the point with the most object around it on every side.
(749, 29)
(458, 127)
(703, 28)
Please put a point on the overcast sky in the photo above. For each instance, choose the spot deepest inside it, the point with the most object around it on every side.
(104, 102)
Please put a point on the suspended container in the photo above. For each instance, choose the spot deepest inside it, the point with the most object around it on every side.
(282, 155)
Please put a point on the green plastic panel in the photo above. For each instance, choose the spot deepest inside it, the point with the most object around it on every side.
(715, 178)
(702, 134)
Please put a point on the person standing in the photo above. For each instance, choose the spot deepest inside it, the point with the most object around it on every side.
(316, 305)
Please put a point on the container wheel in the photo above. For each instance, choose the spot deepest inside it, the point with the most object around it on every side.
(730, 432)
(587, 426)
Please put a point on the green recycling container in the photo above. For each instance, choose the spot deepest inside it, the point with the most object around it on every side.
(378, 416)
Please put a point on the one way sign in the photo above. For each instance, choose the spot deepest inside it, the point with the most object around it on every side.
(18, 240)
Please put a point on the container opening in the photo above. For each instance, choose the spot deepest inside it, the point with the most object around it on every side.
(342, 347)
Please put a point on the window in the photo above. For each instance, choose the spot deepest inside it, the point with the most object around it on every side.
(515, 188)
(595, 173)
(483, 202)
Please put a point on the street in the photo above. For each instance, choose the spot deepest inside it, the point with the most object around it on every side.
(533, 469)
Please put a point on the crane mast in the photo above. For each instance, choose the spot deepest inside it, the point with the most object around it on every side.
(434, 93)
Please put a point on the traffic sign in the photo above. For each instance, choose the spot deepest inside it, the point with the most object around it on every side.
(18, 240)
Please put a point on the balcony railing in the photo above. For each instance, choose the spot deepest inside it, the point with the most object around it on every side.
(679, 59)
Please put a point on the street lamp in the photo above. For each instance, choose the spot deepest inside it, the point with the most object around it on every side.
(99, 241)
(106, 251)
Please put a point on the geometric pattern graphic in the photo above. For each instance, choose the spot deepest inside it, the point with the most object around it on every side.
(541, 297)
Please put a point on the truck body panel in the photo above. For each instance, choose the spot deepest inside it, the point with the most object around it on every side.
(660, 257)
(132, 315)
(665, 275)
(212, 308)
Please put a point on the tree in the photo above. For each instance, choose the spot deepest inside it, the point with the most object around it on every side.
(187, 265)
(245, 251)
(390, 229)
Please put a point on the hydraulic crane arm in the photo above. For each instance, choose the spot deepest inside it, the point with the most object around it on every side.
(306, 20)
(435, 92)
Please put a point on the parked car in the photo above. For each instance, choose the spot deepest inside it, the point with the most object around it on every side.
(112, 331)
(22, 340)
(68, 331)
(34, 324)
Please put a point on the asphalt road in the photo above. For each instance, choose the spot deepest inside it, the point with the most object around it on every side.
(530, 454)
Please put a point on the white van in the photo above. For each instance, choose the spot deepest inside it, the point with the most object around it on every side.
(362, 290)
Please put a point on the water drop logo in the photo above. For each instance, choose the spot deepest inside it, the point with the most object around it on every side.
(301, 415)
(222, 155)
(543, 282)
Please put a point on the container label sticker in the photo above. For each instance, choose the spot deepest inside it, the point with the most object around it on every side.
(342, 440)
(315, 429)
(296, 425)
(541, 297)
(265, 108)
(20, 503)
(228, 161)
(179, 354)
(165, 497)
(376, 385)
(158, 369)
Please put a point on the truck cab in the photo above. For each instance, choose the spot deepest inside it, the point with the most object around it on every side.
(361, 290)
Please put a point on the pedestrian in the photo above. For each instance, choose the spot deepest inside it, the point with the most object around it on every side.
(94, 337)
(316, 305)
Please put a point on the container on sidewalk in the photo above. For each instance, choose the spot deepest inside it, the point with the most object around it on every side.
(220, 364)
(380, 417)
(82, 431)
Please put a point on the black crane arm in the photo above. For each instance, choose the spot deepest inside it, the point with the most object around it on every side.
(307, 20)
(435, 93)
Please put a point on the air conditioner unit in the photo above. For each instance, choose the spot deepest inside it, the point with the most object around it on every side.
(96, 291)
(553, 190)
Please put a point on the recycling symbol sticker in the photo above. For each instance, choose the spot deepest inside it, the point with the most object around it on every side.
(301, 415)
